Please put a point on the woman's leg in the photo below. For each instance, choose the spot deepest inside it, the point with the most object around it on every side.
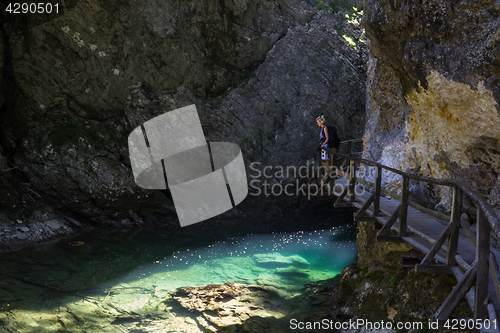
(325, 159)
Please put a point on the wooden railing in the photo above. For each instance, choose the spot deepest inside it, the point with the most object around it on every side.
(349, 145)
(487, 221)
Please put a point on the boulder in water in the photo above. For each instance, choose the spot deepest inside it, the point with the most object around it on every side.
(276, 259)
(291, 272)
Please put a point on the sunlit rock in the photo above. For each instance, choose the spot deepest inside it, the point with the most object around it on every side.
(433, 93)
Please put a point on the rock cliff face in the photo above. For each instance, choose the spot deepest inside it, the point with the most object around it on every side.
(433, 92)
(77, 82)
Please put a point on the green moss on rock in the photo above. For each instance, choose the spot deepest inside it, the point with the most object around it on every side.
(377, 287)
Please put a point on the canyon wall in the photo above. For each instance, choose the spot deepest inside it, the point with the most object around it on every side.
(433, 92)
(432, 109)
(77, 82)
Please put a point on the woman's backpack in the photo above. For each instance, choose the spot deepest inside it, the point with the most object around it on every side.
(333, 137)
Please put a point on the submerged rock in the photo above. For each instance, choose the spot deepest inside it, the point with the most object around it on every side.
(247, 308)
(272, 280)
(232, 304)
(276, 259)
(291, 272)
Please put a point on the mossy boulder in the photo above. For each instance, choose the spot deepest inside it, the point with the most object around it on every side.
(377, 287)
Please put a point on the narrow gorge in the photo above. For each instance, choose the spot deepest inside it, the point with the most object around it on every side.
(418, 81)
(76, 84)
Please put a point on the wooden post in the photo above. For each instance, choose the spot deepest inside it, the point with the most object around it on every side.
(378, 185)
(495, 274)
(349, 148)
(333, 167)
(458, 292)
(404, 206)
(483, 271)
(319, 163)
(352, 181)
(456, 212)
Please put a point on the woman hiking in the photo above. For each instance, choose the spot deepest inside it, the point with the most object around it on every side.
(328, 138)
(325, 139)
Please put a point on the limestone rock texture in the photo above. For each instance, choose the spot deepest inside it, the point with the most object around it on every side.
(254, 308)
(75, 83)
(433, 89)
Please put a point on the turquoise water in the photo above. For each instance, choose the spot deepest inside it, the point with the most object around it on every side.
(92, 282)
(325, 254)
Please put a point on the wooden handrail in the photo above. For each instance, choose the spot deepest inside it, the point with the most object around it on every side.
(351, 141)
(487, 222)
(442, 216)
(488, 211)
(445, 182)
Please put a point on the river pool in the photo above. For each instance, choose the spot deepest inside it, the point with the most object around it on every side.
(101, 281)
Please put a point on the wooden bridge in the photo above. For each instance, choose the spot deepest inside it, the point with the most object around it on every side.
(448, 245)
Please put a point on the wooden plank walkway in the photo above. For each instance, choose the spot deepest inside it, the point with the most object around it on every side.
(447, 244)
(423, 231)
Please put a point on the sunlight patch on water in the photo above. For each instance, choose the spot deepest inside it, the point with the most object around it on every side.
(121, 281)
(293, 259)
